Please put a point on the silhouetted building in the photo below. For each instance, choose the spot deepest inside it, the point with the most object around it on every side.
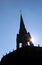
(23, 37)
(26, 54)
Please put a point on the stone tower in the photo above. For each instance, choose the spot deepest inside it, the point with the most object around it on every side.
(23, 37)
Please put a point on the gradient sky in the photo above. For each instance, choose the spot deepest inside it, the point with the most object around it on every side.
(10, 22)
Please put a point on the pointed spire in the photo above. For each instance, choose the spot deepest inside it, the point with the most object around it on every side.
(22, 29)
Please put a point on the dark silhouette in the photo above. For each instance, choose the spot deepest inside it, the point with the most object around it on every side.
(23, 37)
(26, 54)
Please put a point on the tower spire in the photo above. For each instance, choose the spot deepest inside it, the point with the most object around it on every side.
(22, 29)
(23, 37)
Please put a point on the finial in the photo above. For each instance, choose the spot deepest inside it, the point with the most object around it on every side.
(20, 12)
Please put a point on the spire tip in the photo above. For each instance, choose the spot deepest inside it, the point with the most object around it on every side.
(20, 12)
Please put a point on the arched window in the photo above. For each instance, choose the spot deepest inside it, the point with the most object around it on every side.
(20, 45)
(28, 43)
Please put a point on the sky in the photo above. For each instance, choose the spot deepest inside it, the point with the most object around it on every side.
(10, 22)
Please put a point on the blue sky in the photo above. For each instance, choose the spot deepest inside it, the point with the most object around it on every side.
(10, 22)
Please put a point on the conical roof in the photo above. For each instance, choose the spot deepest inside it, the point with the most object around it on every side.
(22, 29)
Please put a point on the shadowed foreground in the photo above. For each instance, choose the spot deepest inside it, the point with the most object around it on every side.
(26, 55)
